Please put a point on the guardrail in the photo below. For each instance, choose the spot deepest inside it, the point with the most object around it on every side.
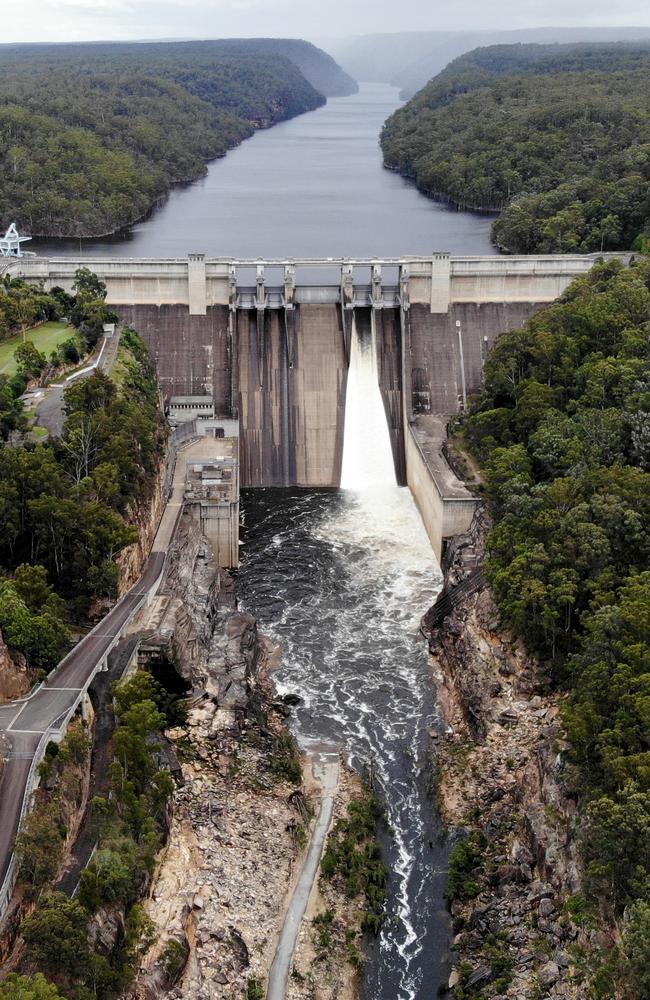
(57, 734)
(32, 783)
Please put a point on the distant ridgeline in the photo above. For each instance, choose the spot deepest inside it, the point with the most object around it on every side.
(92, 135)
(554, 137)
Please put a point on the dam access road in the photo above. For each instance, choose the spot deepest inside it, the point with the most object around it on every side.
(28, 724)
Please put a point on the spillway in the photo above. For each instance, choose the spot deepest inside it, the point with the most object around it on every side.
(339, 579)
(367, 453)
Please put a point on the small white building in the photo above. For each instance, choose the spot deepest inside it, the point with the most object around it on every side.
(184, 408)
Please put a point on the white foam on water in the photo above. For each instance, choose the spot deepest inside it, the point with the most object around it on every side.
(383, 521)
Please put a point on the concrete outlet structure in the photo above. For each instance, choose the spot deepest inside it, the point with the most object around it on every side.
(212, 486)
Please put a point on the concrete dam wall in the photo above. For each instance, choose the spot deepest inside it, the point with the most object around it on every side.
(193, 354)
(268, 344)
(291, 375)
(446, 351)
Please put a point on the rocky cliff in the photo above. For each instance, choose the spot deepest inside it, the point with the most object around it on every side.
(145, 517)
(215, 646)
(500, 783)
(240, 813)
(15, 676)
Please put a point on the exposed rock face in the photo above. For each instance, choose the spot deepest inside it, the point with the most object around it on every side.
(106, 930)
(216, 647)
(15, 676)
(145, 517)
(231, 855)
(501, 776)
(232, 660)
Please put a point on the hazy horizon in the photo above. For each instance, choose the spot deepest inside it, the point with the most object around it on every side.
(164, 20)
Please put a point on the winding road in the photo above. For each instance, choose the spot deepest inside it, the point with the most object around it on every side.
(24, 723)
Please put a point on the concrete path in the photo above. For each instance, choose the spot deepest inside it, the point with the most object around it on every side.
(325, 768)
(49, 411)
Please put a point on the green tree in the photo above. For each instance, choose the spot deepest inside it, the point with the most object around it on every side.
(32, 585)
(30, 360)
(16, 987)
(87, 283)
(56, 936)
(636, 947)
(108, 880)
(616, 841)
(39, 848)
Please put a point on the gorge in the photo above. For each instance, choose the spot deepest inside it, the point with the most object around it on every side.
(338, 374)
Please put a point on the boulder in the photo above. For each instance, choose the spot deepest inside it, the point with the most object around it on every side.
(548, 975)
(546, 907)
(482, 974)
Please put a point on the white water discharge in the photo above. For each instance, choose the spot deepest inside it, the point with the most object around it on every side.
(340, 579)
(383, 518)
(367, 453)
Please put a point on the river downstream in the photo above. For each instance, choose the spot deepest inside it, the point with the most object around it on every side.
(339, 579)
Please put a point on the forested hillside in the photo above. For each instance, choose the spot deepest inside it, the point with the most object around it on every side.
(409, 59)
(563, 428)
(92, 135)
(555, 138)
(65, 503)
(315, 65)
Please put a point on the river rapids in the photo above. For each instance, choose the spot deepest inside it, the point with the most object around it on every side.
(340, 579)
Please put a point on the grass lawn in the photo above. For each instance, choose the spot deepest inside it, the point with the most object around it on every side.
(46, 338)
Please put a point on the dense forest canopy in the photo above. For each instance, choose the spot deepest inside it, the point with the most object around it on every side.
(92, 135)
(555, 138)
(65, 503)
(563, 428)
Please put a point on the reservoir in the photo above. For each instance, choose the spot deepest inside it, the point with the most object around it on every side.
(314, 186)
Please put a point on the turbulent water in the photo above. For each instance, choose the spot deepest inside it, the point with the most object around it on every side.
(340, 578)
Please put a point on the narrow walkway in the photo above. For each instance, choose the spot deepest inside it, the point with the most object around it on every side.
(325, 768)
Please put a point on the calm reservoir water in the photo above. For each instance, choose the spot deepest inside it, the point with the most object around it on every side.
(311, 187)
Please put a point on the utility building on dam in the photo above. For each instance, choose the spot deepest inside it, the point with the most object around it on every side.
(267, 343)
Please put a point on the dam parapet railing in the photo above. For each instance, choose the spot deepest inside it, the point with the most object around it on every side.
(438, 280)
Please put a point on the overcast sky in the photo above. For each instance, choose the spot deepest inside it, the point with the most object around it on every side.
(76, 20)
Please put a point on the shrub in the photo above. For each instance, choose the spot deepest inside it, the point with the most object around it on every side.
(466, 855)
